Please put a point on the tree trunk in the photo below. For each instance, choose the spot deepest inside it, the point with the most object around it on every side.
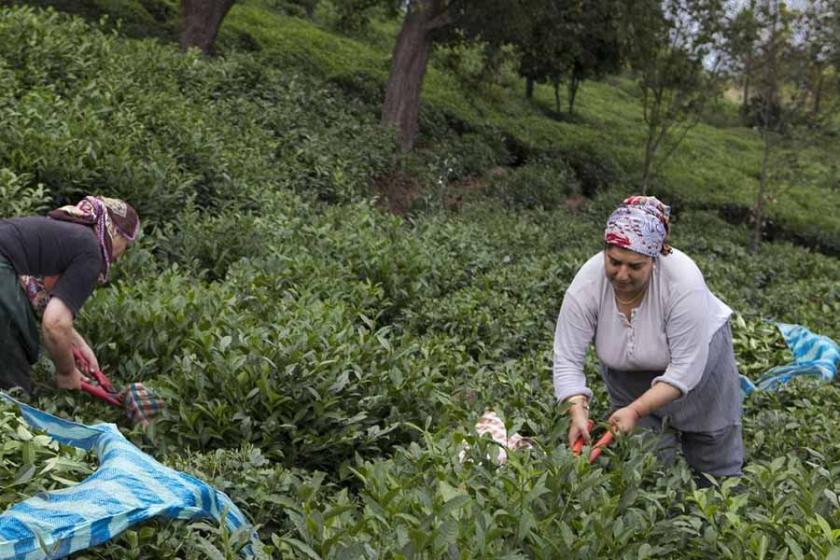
(770, 93)
(574, 84)
(200, 20)
(818, 92)
(529, 88)
(556, 95)
(746, 96)
(758, 230)
(408, 68)
(310, 9)
(650, 151)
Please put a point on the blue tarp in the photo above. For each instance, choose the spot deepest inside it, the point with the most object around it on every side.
(813, 355)
(129, 487)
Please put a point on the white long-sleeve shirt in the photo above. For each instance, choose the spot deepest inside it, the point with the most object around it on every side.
(669, 331)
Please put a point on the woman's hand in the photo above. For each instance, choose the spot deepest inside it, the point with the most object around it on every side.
(624, 420)
(72, 381)
(578, 423)
(87, 354)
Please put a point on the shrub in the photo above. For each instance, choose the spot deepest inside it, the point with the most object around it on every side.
(537, 185)
(353, 16)
(18, 197)
(325, 363)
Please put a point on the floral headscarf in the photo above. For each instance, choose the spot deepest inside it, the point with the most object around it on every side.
(108, 216)
(640, 224)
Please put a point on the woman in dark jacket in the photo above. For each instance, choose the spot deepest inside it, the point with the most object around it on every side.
(49, 266)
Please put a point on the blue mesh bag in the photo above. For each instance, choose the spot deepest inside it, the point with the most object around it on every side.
(813, 355)
(129, 487)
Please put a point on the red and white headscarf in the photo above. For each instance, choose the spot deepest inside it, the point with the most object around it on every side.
(108, 216)
(640, 224)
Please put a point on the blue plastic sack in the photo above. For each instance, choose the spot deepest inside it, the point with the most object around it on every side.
(129, 487)
(813, 355)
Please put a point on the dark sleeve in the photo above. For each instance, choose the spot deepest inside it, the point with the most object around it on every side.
(78, 280)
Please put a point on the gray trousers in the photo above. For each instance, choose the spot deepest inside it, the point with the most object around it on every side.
(705, 423)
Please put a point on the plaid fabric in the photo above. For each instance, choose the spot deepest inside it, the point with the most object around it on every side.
(141, 404)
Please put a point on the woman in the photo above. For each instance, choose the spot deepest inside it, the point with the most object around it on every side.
(49, 266)
(662, 338)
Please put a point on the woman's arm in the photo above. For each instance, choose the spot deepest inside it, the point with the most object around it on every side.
(625, 419)
(59, 338)
(574, 332)
(686, 327)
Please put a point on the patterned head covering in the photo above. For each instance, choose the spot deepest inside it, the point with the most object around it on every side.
(108, 216)
(640, 224)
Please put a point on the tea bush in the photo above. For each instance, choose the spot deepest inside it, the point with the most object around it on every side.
(34, 462)
(538, 185)
(161, 129)
(19, 197)
(143, 18)
(324, 362)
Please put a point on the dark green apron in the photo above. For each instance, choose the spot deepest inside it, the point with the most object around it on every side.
(19, 337)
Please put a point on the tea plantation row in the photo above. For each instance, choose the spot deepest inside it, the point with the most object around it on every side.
(324, 361)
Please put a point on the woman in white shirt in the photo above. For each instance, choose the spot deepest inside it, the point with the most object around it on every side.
(662, 338)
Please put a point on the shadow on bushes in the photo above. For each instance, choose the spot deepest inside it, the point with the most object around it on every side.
(138, 19)
(362, 85)
(594, 172)
(738, 214)
(538, 185)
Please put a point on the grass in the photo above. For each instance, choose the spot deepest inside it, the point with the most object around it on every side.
(714, 166)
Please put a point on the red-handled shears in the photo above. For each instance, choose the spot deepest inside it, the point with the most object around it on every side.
(599, 446)
(103, 390)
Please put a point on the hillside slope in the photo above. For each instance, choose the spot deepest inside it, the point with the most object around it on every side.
(324, 361)
(478, 127)
(716, 167)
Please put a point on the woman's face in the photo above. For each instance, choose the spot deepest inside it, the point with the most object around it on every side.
(627, 271)
(118, 246)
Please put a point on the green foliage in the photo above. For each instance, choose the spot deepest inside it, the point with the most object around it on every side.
(18, 197)
(353, 16)
(713, 167)
(758, 347)
(135, 18)
(537, 185)
(468, 155)
(172, 539)
(325, 364)
(668, 46)
(141, 121)
(33, 462)
(296, 8)
(209, 245)
(569, 42)
(479, 64)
